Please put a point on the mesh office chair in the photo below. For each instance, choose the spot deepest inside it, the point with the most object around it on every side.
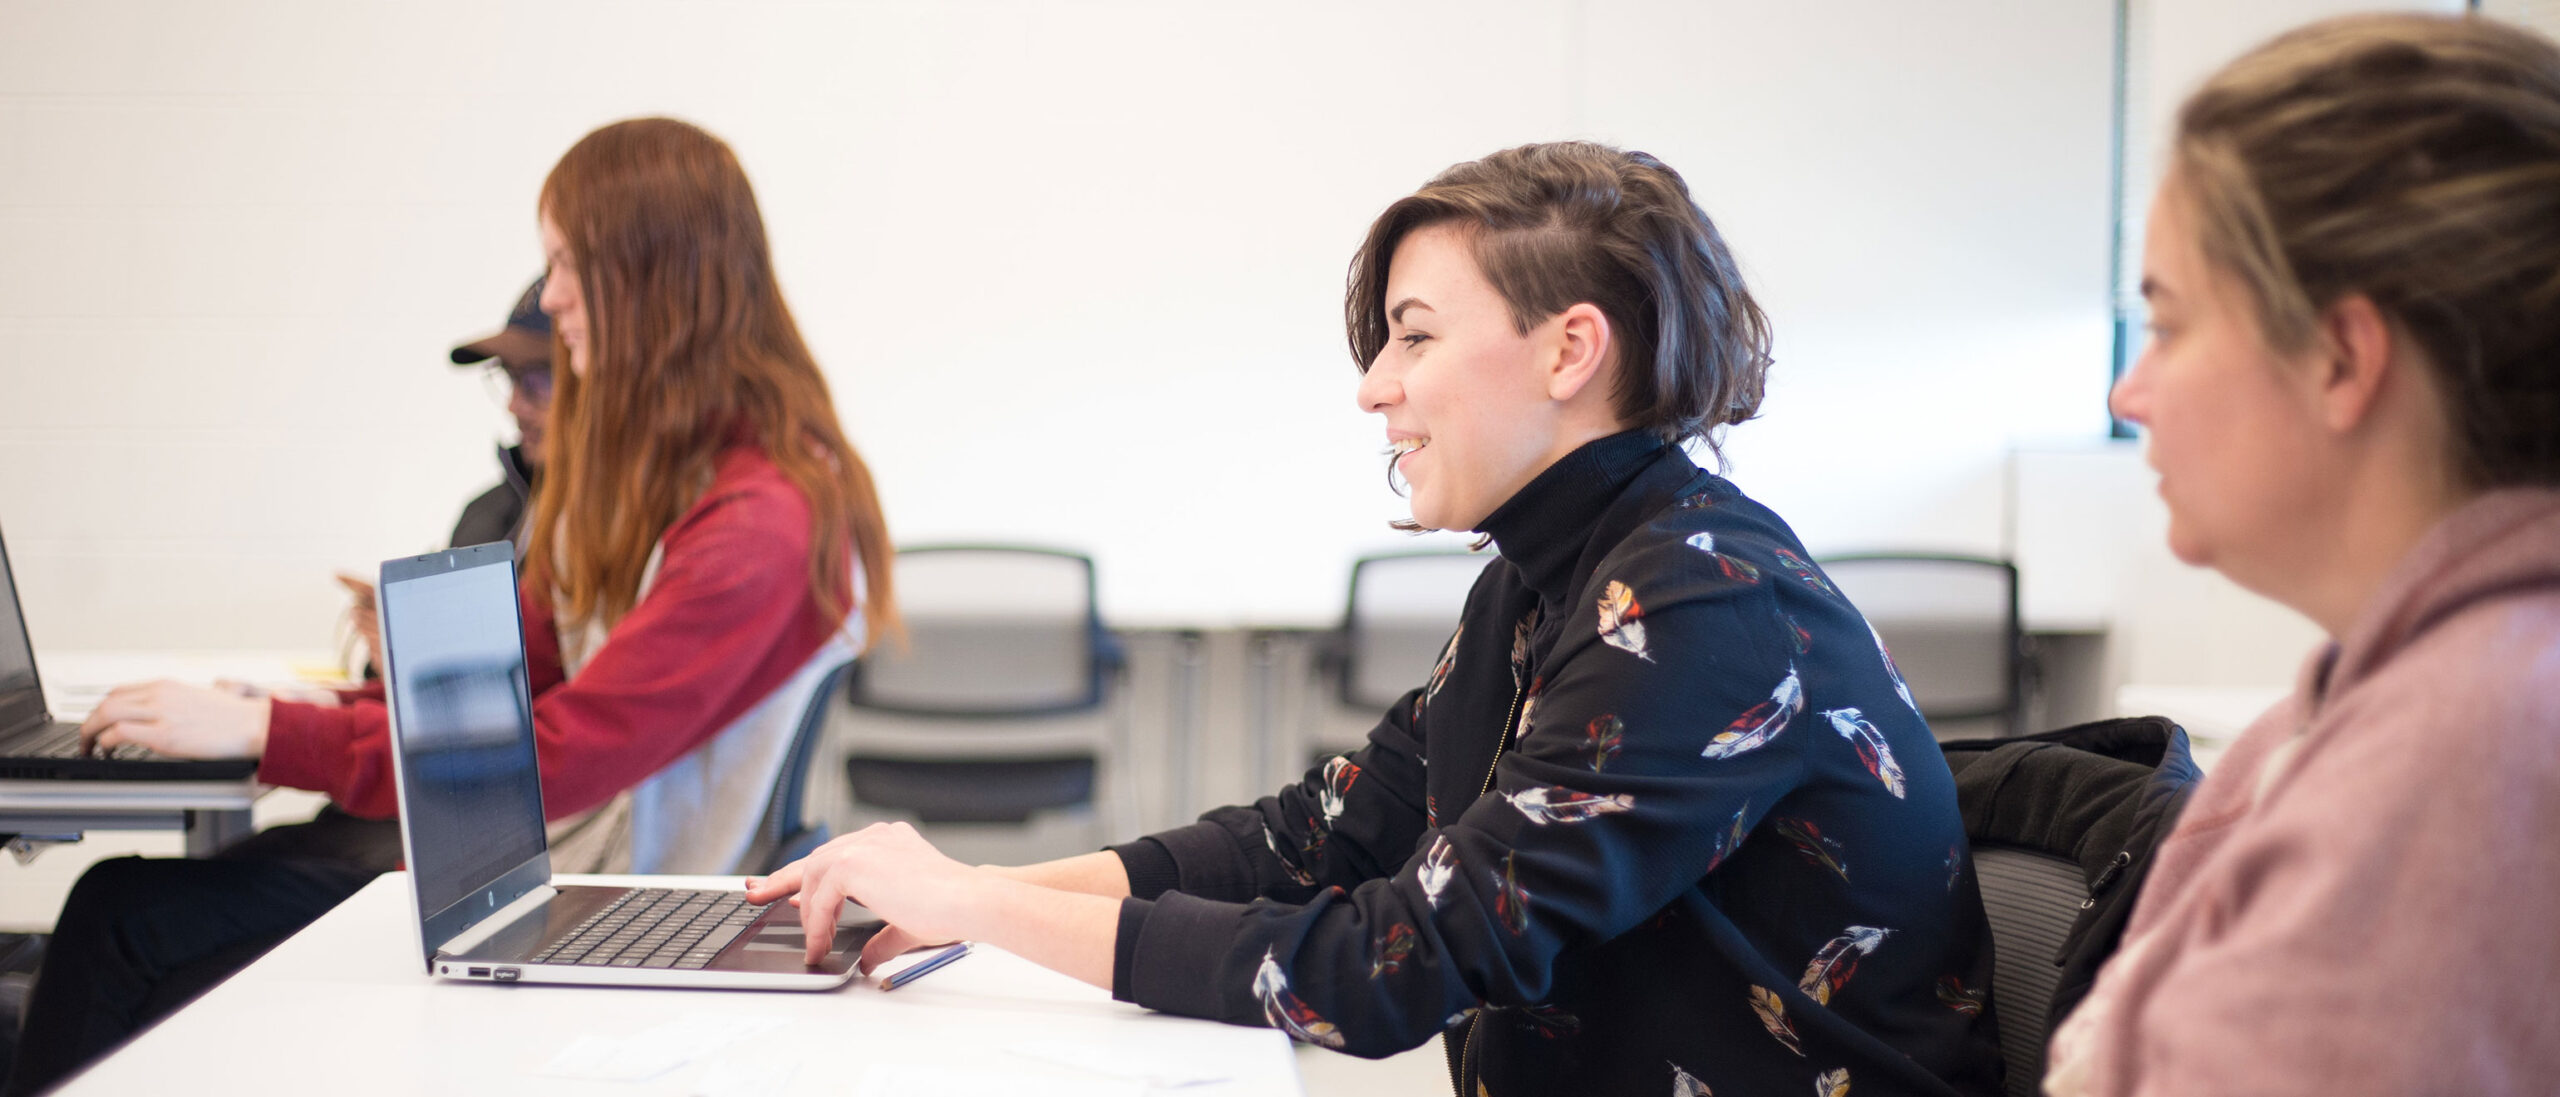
(2061, 826)
(1952, 625)
(786, 834)
(988, 712)
(1395, 623)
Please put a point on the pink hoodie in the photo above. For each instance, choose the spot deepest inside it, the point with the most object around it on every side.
(2364, 897)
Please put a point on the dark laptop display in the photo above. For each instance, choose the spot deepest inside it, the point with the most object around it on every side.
(35, 747)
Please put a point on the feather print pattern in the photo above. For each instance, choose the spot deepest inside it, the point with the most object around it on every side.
(1685, 1084)
(1806, 572)
(1762, 722)
(1798, 637)
(1392, 950)
(1285, 1011)
(1832, 1083)
(1528, 709)
(1439, 865)
(1956, 996)
(1520, 634)
(1773, 1016)
(1831, 967)
(1544, 804)
(1872, 750)
(1604, 736)
(1339, 773)
(1440, 671)
(1510, 900)
(1735, 568)
(1730, 839)
(1296, 873)
(1621, 620)
(1812, 844)
(1892, 671)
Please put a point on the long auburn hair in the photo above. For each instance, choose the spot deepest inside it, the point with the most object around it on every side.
(689, 350)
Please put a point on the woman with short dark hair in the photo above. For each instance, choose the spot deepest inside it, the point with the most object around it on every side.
(2353, 399)
(1664, 817)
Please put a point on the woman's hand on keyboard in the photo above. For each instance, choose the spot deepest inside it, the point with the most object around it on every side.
(178, 720)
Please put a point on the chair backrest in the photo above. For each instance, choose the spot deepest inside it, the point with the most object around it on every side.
(2062, 826)
(991, 631)
(2031, 898)
(1951, 623)
(1397, 621)
(784, 835)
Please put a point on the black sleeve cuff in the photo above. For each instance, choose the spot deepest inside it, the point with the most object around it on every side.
(1152, 872)
(1124, 948)
(1178, 953)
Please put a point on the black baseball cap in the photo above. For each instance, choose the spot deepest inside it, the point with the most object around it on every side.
(525, 341)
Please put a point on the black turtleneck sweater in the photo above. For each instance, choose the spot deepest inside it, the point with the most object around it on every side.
(1663, 820)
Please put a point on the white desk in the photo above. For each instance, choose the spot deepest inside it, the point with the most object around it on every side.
(211, 813)
(346, 1006)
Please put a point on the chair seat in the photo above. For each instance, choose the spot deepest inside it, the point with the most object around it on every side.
(975, 791)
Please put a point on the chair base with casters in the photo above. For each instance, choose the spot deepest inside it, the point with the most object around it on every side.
(2062, 826)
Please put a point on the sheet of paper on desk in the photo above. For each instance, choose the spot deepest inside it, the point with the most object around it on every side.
(911, 1080)
(1148, 1062)
(650, 1052)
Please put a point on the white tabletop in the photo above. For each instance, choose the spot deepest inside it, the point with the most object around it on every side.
(346, 1006)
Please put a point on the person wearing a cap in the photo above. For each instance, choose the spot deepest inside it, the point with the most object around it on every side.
(271, 884)
(521, 350)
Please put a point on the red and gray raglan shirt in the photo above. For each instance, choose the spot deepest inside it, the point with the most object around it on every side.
(1664, 819)
(728, 618)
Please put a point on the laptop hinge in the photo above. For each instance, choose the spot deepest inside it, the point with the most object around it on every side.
(506, 916)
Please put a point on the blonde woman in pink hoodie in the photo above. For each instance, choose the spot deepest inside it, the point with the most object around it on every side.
(2352, 394)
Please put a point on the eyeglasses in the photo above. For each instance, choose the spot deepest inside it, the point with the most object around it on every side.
(534, 382)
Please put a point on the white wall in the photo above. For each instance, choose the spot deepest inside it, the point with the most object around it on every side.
(1074, 268)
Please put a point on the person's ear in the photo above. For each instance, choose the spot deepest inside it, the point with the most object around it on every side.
(2358, 355)
(1584, 344)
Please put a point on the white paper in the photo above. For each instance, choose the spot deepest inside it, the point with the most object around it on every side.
(648, 1053)
(1148, 1062)
(905, 1080)
(744, 1077)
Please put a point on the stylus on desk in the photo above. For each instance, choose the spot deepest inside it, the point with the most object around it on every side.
(924, 967)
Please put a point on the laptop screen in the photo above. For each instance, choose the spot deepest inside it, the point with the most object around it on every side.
(471, 796)
(21, 698)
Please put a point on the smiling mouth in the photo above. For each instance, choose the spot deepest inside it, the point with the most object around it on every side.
(1401, 446)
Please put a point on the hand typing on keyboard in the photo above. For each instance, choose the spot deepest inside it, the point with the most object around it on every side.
(177, 720)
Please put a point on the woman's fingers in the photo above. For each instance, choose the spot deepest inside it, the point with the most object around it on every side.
(784, 881)
(819, 906)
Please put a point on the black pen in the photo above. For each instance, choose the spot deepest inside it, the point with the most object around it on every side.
(924, 967)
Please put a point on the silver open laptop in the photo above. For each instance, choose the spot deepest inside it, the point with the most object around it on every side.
(471, 816)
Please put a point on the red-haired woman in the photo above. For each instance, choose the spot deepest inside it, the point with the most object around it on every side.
(705, 545)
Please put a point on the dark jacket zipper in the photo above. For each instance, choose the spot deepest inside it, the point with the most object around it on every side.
(1466, 1053)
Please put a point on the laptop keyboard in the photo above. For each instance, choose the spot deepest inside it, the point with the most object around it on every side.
(68, 746)
(655, 928)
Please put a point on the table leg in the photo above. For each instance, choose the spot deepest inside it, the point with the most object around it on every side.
(209, 831)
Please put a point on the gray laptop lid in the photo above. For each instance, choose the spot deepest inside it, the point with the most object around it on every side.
(462, 729)
(21, 693)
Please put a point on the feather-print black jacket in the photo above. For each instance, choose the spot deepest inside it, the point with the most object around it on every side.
(1664, 820)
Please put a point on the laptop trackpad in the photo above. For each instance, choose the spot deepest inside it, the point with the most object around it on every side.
(790, 938)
